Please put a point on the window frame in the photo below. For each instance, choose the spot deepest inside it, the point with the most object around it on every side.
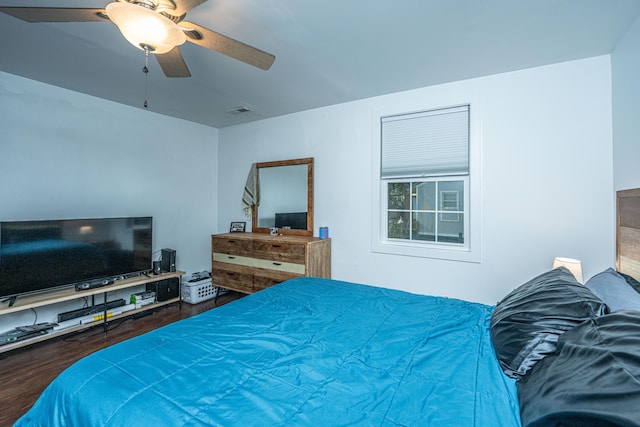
(470, 251)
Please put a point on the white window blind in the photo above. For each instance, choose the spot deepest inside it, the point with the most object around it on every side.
(429, 143)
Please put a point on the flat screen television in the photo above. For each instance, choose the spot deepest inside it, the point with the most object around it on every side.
(293, 220)
(41, 255)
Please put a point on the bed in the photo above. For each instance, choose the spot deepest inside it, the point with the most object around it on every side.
(305, 352)
(320, 352)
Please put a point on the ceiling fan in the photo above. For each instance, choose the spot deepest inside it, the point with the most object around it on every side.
(154, 26)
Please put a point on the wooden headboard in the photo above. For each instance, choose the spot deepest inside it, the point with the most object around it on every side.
(628, 232)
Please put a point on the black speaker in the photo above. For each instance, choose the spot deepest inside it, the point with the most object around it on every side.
(168, 261)
(95, 283)
(165, 289)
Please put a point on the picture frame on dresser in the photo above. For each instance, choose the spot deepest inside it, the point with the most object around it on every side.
(237, 227)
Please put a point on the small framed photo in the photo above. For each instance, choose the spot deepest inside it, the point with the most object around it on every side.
(237, 227)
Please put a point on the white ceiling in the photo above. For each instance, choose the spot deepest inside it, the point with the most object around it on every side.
(327, 51)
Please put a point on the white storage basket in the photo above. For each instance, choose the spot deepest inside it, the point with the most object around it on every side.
(195, 292)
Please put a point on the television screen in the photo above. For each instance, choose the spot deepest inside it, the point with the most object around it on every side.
(40, 255)
(293, 220)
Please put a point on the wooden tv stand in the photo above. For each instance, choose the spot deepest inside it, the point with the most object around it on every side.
(27, 302)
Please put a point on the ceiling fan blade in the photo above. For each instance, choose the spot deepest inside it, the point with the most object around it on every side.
(184, 6)
(173, 64)
(55, 14)
(227, 46)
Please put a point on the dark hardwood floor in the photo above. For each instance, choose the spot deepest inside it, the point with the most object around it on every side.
(27, 371)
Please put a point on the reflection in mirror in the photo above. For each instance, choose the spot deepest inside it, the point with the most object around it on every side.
(286, 197)
(283, 197)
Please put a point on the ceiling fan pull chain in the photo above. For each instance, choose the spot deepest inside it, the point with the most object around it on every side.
(145, 70)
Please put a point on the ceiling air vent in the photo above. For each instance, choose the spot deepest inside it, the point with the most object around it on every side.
(239, 110)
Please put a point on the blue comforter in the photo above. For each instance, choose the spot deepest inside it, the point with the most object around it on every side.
(307, 352)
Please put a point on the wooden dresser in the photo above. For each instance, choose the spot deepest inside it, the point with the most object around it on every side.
(249, 262)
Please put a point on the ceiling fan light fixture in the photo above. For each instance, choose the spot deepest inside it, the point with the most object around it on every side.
(143, 27)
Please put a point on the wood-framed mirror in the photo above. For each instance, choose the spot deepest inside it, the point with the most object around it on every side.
(285, 194)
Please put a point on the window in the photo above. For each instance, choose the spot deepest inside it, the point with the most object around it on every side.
(426, 210)
(423, 166)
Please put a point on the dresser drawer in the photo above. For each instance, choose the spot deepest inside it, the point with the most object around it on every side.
(280, 251)
(262, 279)
(279, 266)
(229, 245)
(234, 259)
(235, 277)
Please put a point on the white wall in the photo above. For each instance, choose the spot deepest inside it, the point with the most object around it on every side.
(546, 178)
(625, 66)
(68, 155)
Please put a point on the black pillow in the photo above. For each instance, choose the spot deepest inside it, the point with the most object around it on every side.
(526, 324)
(591, 380)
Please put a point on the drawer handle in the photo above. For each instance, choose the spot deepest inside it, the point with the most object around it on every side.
(276, 246)
(231, 241)
(277, 263)
(231, 257)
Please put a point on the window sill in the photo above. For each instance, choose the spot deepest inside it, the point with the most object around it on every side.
(450, 253)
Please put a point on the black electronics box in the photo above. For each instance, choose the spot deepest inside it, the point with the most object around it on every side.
(165, 289)
(168, 261)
